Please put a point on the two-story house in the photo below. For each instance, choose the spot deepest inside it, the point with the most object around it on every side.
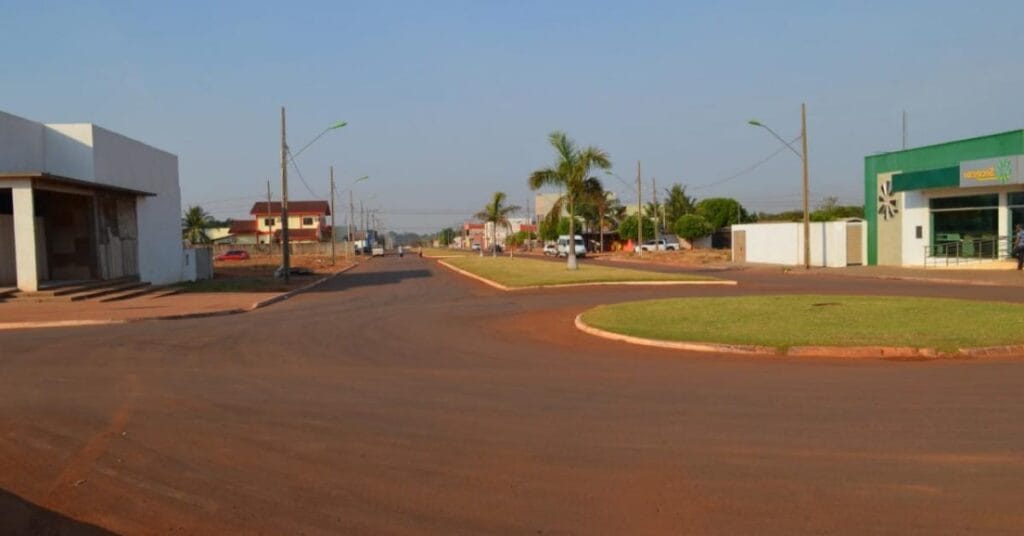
(307, 221)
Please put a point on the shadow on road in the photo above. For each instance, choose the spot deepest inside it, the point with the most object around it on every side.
(367, 279)
(19, 517)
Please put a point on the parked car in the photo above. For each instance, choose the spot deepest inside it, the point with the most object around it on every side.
(660, 245)
(563, 246)
(550, 249)
(233, 255)
(475, 247)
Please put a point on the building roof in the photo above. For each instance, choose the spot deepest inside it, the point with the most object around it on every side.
(294, 207)
(242, 227)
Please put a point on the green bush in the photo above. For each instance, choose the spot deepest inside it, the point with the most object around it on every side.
(692, 226)
(627, 229)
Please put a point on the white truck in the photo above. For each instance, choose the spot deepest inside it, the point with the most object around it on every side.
(563, 246)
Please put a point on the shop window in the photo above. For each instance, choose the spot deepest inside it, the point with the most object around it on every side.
(969, 201)
(1015, 199)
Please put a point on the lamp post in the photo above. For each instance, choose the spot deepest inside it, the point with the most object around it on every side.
(351, 212)
(803, 158)
(286, 156)
(639, 207)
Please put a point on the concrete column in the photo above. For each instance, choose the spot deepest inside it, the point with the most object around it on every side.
(25, 236)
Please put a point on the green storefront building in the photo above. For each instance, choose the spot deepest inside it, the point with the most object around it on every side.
(951, 202)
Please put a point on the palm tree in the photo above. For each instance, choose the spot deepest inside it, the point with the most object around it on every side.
(571, 170)
(677, 203)
(194, 225)
(496, 213)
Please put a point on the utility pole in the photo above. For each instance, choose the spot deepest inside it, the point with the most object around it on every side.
(333, 237)
(351, 211)
(270, 235)
(807, 214)
(904, 130)
(285, 254)
(639, 212)
(654, 194)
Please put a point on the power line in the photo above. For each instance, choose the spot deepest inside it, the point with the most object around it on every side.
(301, 178)
(746, 170)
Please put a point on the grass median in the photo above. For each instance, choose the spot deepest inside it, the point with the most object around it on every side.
(785, 321)
(524, 272)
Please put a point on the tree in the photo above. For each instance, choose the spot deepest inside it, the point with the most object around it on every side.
(692, 226)
(446, 236)
(572, 168)
(830, 210)
(194, 225)
(677, 202)
(627, 227)
(604, 203)
(721, 211)
(496, 213)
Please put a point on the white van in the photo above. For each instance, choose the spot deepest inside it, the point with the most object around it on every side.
(563, 246)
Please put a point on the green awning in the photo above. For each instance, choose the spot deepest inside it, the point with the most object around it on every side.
(931, 178)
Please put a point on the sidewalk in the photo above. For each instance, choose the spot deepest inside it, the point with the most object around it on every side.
(963, 276)
(19, 315)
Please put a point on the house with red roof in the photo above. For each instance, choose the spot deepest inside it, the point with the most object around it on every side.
(308, 221)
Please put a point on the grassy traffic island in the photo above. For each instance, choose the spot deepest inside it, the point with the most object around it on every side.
(520, 272)
(818, 325)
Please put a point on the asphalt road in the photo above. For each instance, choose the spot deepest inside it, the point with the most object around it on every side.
(401, 398)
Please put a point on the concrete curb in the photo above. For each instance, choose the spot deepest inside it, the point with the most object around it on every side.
(499, 286)
(941, 281)
(205, 314)
(853, 352)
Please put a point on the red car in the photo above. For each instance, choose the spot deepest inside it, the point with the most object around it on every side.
(233, 255)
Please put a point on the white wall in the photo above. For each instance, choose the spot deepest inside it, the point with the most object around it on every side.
(916, 212)
(21, 144)
(127, 163)
(783, 243)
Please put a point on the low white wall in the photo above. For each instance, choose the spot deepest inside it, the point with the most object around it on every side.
(916, 212)
(783, 243)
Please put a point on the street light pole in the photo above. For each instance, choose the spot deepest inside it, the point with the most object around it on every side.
(333, 234)
(807, 212)
(285, 254)
(806, 179)
(639, 213)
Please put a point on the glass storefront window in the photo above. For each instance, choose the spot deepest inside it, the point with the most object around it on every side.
(966, 226)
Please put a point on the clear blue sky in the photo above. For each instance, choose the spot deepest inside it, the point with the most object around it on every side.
(449, 101)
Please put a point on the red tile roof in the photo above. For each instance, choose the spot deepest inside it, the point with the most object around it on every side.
(294, 207)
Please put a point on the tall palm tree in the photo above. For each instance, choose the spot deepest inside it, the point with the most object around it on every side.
(571, 170)
(496, 213)
(194, 225)
(677, 203)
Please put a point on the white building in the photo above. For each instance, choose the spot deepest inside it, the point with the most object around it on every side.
(80, 202)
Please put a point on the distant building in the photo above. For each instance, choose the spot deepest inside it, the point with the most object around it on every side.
(307, 221)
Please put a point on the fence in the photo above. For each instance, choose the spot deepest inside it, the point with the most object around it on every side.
(296, 248)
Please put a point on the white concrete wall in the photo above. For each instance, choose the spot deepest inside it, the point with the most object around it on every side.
(127, 163)
(22, 146)
(69, 151)
(916, 212)
(783, 243)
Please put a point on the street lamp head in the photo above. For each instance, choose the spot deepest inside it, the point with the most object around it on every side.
(755, 122)
(363, 178)
(339, 124)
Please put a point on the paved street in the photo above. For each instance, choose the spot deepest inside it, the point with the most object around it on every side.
(401, 398)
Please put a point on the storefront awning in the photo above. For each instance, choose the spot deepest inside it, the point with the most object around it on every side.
(931, 178)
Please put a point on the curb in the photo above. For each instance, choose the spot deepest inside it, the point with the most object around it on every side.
(499, 286)
(206, 314)
(853, 352)
(942, 281)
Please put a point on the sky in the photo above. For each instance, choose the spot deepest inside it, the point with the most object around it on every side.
(450, 101)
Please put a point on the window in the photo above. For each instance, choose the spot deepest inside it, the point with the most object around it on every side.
(307, 221)
(965, 226)
(268, 222)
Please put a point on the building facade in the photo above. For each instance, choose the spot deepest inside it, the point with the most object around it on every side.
(79, 202)
(957, 199)
(308, 221)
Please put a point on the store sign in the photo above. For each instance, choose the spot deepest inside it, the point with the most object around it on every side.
(992, 171)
